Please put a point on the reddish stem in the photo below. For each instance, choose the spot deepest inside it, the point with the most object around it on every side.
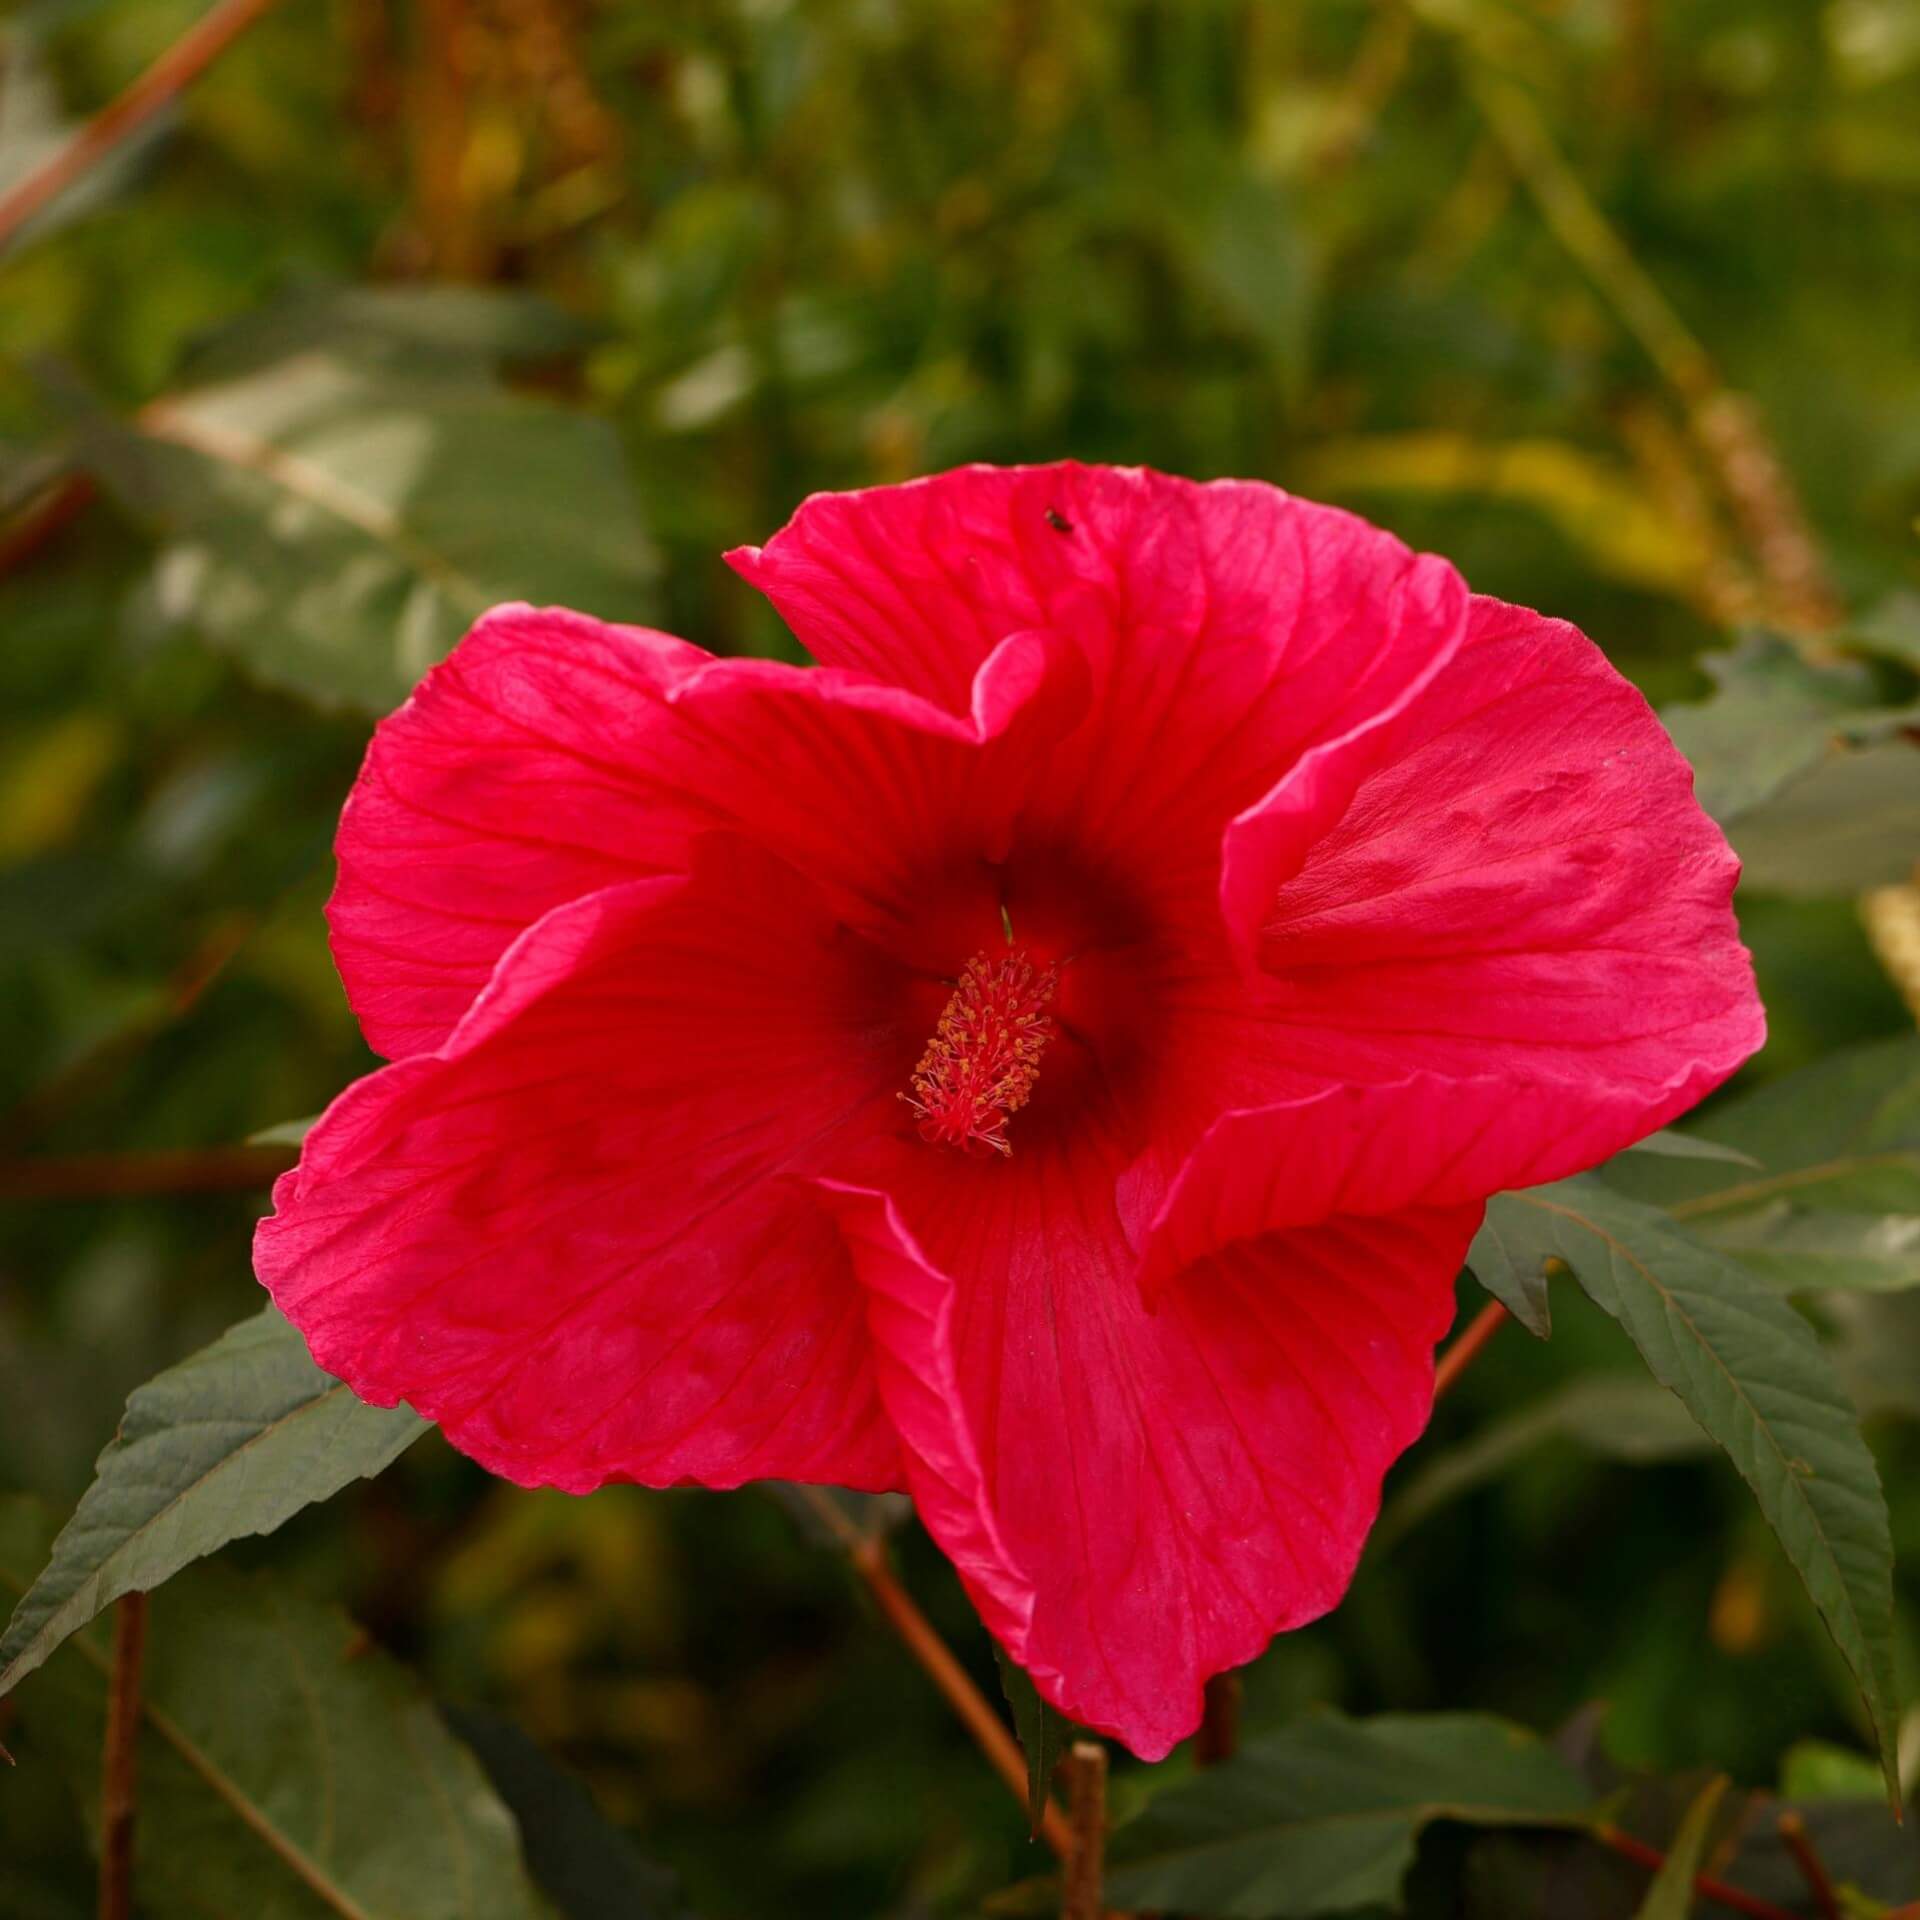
(1086, 1866)
(1708, 1888)
(1465, 1350)
(120, 1758)
(125, 1176)
(1813, 1870)
(917, 1633)
(174, 71)
(44, 518)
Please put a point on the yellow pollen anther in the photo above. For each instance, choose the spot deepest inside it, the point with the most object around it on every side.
(980, 1065)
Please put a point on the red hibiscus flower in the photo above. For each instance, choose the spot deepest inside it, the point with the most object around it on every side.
(1050, 1057)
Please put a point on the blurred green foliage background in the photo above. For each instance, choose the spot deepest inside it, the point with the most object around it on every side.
(1615, 303)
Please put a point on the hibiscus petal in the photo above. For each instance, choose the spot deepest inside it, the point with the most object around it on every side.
(551, 755)
(1230, 630)
(1138, 1499)
(504, 786)
(1524, 895)
(1425, 1142)
(576, 1235)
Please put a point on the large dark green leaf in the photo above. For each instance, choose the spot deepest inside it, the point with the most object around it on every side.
(1324, 1816)
(1752, 1372)
(418, 328)
(337, 523)
(1512, 1275)
(1773, 715)
(288, 1771)
(1832, 1195)
(1823, 1250)
(234, 1440)
(1851, 823)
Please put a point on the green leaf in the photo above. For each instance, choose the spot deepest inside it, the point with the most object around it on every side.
(1851, 823)
(1668, 1143)
(1617, 1419)
(234, 1440)
(1513, 1274)
(1324, 1815)
(1773, 715)
(1042, 1730)
(288, 1771)
(1818, 1770)
(1842, 1133)
(1670, 1897)
(416, 327)
(337, 524)
(1833, 1197)
(1892, 628)
(1824, 1251)
(1754, 1375)
(586, 1866)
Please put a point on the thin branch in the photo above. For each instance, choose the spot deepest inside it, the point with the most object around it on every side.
(989, 1731)
(162, 83)
(44, 518)
(120, 1758)
(832, 1515)
(1708, 1888)
(127, 1176)
(1813, 1870)
(1083, 1883)
(1465, 1350)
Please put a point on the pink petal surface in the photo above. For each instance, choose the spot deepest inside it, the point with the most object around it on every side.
(1138, 1499)
(1425, 1142)
(1525, 896)
(1229, 629)
(551, 755)
(575, 1234)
